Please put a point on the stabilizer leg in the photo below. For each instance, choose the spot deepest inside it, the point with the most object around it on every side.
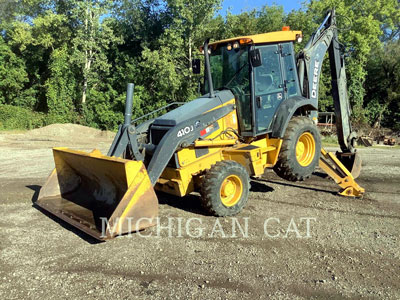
(342, 176)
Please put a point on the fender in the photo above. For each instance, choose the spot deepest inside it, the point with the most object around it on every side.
(286, 111)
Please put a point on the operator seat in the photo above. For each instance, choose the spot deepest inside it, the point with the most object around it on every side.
(264, 82)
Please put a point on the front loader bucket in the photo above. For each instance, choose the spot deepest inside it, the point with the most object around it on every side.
(352, 162)
(101, 195)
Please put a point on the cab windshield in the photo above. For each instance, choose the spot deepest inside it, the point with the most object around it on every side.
(230, 70)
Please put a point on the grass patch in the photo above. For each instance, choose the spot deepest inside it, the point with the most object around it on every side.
(18, 118)
(329, 141)
(12, 131)
(329, 145)
(386, 147)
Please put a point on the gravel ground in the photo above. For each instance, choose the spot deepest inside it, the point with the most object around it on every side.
(350, 248)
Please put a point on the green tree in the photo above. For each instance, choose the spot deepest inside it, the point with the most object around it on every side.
(92, 39)
(271, 18)
(13, 75)
(383, 89)
(166, 72)
(360, 29)
(188, 19)
(61, 86)
(72, 59)
(242, 24)
(34, 43)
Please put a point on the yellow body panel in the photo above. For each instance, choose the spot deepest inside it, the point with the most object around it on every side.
(270, 37)
(248, 156)
(270, 149)
(181, 181)
(255, 157)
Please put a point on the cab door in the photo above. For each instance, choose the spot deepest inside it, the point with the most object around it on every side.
(269, 87)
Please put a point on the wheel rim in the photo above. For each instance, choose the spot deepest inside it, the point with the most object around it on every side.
(305, 149)
(231, 190)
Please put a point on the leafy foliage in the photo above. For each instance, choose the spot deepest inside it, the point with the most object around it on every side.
(383, 92)
(60, 85)
(13, 75)
(69, 61)
(14, 117)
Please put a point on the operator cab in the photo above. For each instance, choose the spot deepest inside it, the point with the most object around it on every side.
(259, 86)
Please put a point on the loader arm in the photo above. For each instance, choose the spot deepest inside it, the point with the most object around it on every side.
(170, 142)
(310, 60)
(126, 137)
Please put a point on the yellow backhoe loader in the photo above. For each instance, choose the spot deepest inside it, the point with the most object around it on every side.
(259, 111)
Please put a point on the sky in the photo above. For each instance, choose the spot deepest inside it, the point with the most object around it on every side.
(238, 5)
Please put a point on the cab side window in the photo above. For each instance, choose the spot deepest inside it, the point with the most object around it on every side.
(268, 76)
(269, 92)
(290, 70)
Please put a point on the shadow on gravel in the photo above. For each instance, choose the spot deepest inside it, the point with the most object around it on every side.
(259, 187)
(36, 189)
(190, 203)
(81, 234)
(360, 213)
(284, 183)
(350, 212)
(321, 175)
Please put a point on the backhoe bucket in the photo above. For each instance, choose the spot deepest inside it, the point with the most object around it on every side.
(352, 162)
(101, 195)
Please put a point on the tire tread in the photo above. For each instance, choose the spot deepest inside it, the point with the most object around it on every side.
(287, 165)
(211, 185)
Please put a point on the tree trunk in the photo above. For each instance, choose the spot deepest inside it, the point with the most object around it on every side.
(190, 57)
(88, 56)
(84, 89)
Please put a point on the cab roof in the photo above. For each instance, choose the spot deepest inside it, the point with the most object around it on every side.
(270, 37)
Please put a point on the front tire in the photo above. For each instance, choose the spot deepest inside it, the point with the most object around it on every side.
(225, 188)
(300, 152)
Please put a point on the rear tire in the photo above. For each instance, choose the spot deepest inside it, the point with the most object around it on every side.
(300, 152)
(225, 188)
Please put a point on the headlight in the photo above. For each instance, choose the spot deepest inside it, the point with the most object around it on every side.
(299, 38)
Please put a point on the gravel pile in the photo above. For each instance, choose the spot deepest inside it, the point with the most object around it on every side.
(68, 132)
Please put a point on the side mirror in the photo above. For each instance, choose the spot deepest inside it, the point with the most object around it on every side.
(196, 66)
(255, 58)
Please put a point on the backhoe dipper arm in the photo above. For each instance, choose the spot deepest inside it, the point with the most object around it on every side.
(310, 64)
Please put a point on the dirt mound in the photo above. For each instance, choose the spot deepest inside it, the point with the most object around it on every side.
(69, 131)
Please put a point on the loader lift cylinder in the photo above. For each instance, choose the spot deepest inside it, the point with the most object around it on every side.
(126, 138)
(208, 68)
(128, 104)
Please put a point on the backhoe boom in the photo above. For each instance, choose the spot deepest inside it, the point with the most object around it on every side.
(324, 40)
